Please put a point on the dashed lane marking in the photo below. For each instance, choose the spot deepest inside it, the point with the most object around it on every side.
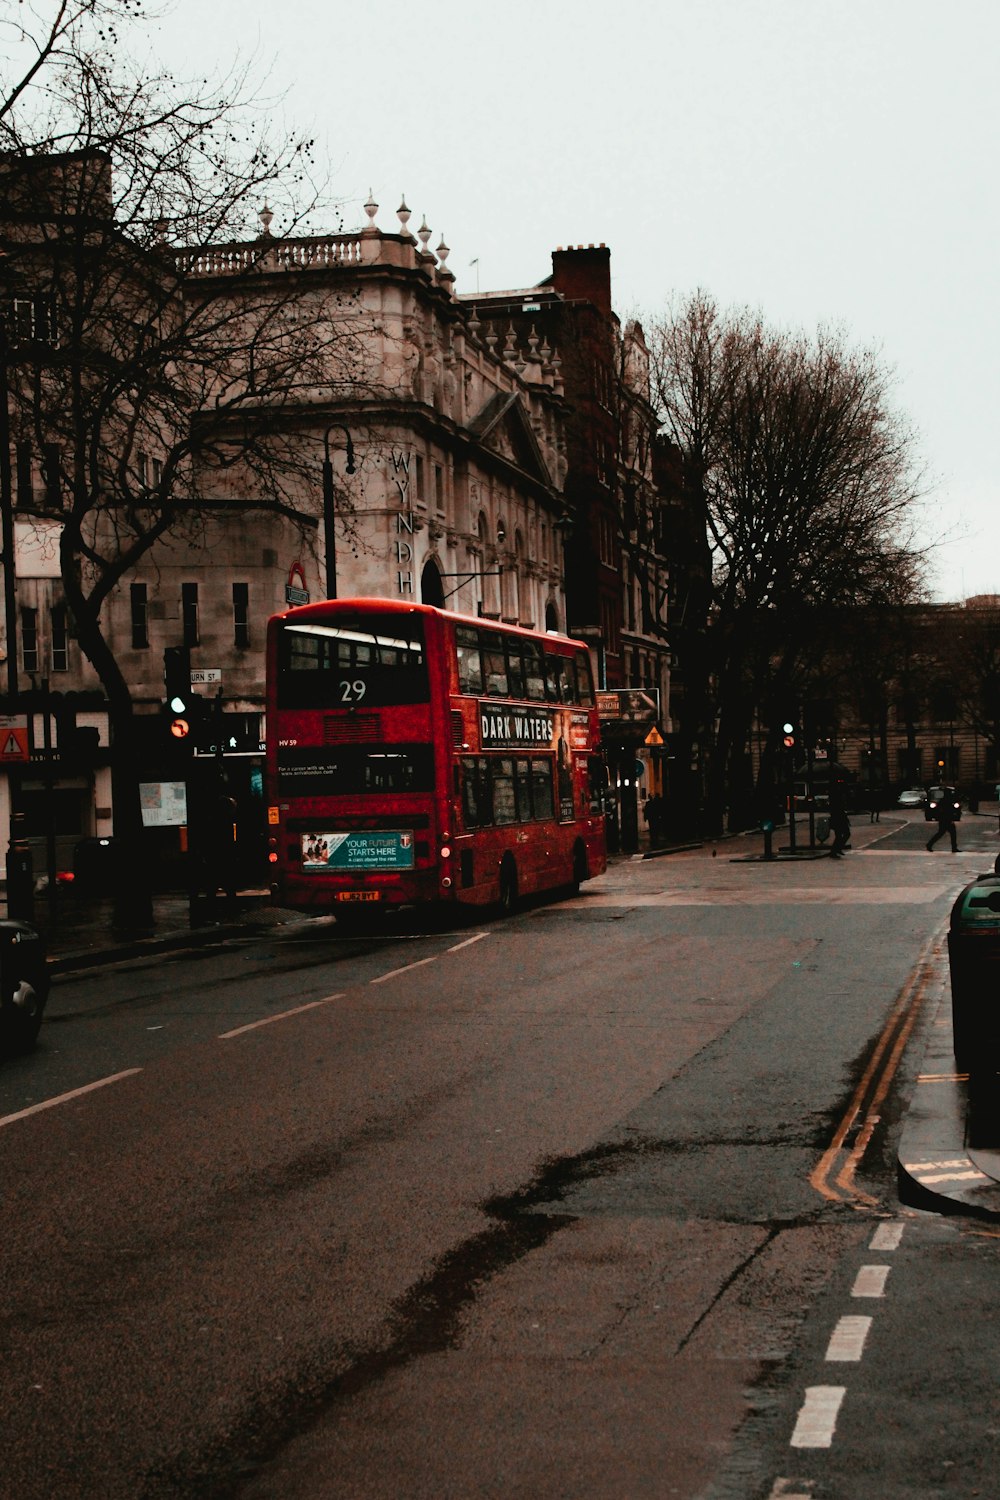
(887, 1237)
(88, 1088)
(870, 1281)
(847, 1342)
(297, 1010)
(817, 1418)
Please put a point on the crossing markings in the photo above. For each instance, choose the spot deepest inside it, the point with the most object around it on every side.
(950, 1169)
(886, 1237)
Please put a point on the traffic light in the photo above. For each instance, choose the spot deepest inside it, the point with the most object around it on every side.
(789, 734)
(178, 696)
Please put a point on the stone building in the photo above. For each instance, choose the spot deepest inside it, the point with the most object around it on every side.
(424, 462)
(617, 531)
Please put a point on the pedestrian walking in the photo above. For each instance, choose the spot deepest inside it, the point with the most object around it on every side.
(653, 813)
(875, 805)
(945, 820)
(839, 821)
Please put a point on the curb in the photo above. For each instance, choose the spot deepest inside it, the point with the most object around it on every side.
(937, 1169)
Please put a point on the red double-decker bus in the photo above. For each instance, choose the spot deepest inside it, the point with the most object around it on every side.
(420, 757)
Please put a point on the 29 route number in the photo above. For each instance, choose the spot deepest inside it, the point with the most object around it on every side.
(352, 692)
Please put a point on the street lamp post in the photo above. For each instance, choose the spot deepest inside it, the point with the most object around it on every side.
(329, 506)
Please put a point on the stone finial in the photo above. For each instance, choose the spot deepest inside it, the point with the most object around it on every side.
(472, 322)
(491, 337)
(371, 209)
(423, 235)
(510, 344)
(442, 252)
(533, 343)
(265, 217)
(403, 214)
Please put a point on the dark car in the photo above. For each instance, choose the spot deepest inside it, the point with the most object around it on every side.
(936, 795)
(24, 985)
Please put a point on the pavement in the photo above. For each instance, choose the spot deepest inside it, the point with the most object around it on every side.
(949, 1150)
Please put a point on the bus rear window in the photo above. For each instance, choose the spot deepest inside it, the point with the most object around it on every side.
(345, 663)
(355, 771)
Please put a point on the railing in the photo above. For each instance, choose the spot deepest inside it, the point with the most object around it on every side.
(272, 255)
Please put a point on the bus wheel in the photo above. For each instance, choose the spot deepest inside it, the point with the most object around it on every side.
(508, 887)
(581, 867)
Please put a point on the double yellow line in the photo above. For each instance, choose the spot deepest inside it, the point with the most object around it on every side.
(833, 1176)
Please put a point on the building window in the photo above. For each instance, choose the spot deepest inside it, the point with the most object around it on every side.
(420, 477)
(51, 477)
(241, 615)
(189, 613)
(140, 616)
(60, 639)
(439, 486)
(25, 483)
(29, 640)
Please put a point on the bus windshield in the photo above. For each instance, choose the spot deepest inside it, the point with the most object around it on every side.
(344, 663)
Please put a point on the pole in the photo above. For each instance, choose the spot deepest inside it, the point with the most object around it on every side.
(329, 519)
(7, 519)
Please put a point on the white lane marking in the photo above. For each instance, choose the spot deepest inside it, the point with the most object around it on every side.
(88, 1088)
(971, 1176)
(818, 1416)
(870, 1281)
(792, 1489)
(887, 1237)
(935, 1166)
(405, 969)
(468, 942)
(225, 1036)
(419, 963)
(847, 1342)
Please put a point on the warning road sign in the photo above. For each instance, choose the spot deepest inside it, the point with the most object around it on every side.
(13, 739)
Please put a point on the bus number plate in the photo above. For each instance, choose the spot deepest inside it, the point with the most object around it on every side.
(359, 896)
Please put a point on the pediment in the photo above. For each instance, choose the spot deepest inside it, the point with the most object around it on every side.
(503, 428)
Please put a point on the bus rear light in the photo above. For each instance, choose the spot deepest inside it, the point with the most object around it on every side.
(445, 852)
(446, 882)
(272, 857)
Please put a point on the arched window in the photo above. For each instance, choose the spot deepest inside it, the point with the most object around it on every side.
(431, 588)
(551, 617)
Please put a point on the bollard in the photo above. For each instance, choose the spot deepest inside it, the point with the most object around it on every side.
(20, 872)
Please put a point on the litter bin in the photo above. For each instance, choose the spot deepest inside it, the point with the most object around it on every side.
(974, 960)
(24, 985)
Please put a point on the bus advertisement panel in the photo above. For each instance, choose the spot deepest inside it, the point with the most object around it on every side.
(417, 756)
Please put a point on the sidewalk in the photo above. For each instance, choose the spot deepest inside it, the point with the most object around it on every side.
(79, 931)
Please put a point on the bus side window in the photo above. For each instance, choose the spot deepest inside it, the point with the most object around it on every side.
(541, 787)
(534, 672)
(504, 807)
(470, 666)
(515, 670)
(476, 793)
(523, 783)
(584, 685)
(598, 779)
(494, 666)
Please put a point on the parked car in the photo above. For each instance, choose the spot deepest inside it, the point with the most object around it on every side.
(912, 796)
(938, 794)
(24, 985)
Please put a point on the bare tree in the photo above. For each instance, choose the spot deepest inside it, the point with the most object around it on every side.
(152, 381)
(804, 478)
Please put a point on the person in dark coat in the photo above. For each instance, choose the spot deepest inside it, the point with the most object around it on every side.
(945, 821)
(839, 821)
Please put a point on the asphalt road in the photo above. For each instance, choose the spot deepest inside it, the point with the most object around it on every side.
(569, 1205)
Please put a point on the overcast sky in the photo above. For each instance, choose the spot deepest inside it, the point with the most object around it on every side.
(825, 161)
